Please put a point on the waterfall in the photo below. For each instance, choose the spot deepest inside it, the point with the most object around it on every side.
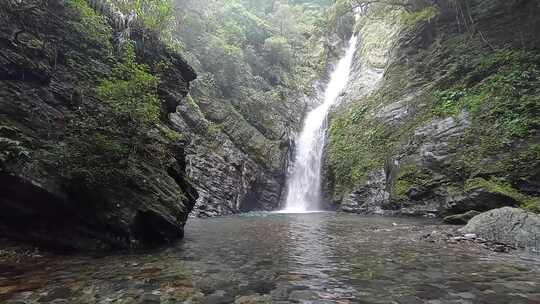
(304, 181)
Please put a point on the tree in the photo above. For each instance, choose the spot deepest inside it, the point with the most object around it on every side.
(278, 51)
(156, 15)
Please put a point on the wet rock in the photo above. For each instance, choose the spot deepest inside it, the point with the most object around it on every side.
(253, 299)
(281, 292)
(57, 293)
(478, 199)
(219, 297)
(460, 219)
(369, 197)
(261, 287)
(303, 295)
(511, 226)
(150, 299)
(408, 300)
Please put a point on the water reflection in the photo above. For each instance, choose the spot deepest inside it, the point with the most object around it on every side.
(310, 250)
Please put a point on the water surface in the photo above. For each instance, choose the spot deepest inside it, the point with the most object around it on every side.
(290, 258)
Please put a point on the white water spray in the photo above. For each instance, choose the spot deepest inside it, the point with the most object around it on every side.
(304, 182)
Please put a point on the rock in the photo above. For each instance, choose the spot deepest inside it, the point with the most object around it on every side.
(218, 298)
(511, 226)
(60, 293)
(369, 197)
(150, 299)
(254, 299)
(281, 292)
(479, 199)
(303, 295)
(460, 219)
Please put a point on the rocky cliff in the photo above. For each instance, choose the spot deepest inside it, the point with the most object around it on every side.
(88, 158)
(442, 115)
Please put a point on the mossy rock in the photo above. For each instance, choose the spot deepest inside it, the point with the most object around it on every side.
(461, 219)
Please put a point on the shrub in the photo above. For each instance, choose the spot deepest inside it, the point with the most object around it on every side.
(91, 25)
(425, 14)
(12, 148)
(131, 91)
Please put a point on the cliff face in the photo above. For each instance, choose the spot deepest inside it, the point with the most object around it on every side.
(441, 117)
(81, 167)
(228, 178)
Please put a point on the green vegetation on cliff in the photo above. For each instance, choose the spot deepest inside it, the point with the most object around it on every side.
(501, 186)
(257, 61)
(91, 25)
(12, 146)
(502, 89)
(105, 144)
(131, 91)
(456, 74)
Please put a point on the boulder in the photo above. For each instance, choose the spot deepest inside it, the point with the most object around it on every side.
(479, 199)
(507, 225)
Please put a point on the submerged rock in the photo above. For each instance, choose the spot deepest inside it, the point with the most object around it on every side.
(300, 296)
(253, 299)
(507, 225)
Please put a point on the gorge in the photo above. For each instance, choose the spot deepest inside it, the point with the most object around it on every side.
(173, 151)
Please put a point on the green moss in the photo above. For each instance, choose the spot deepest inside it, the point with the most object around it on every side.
(94, 158)
(532, 204)
(412, 18)
(131, 91)
(172, 135)
(409, 177)
(505, 93)
(111, 146)
(357, 145)
(12, 146)
(194, 105)
(90, 25)
(501, 92)
(497, 185)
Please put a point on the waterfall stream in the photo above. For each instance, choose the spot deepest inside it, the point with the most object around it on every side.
(304, 180)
